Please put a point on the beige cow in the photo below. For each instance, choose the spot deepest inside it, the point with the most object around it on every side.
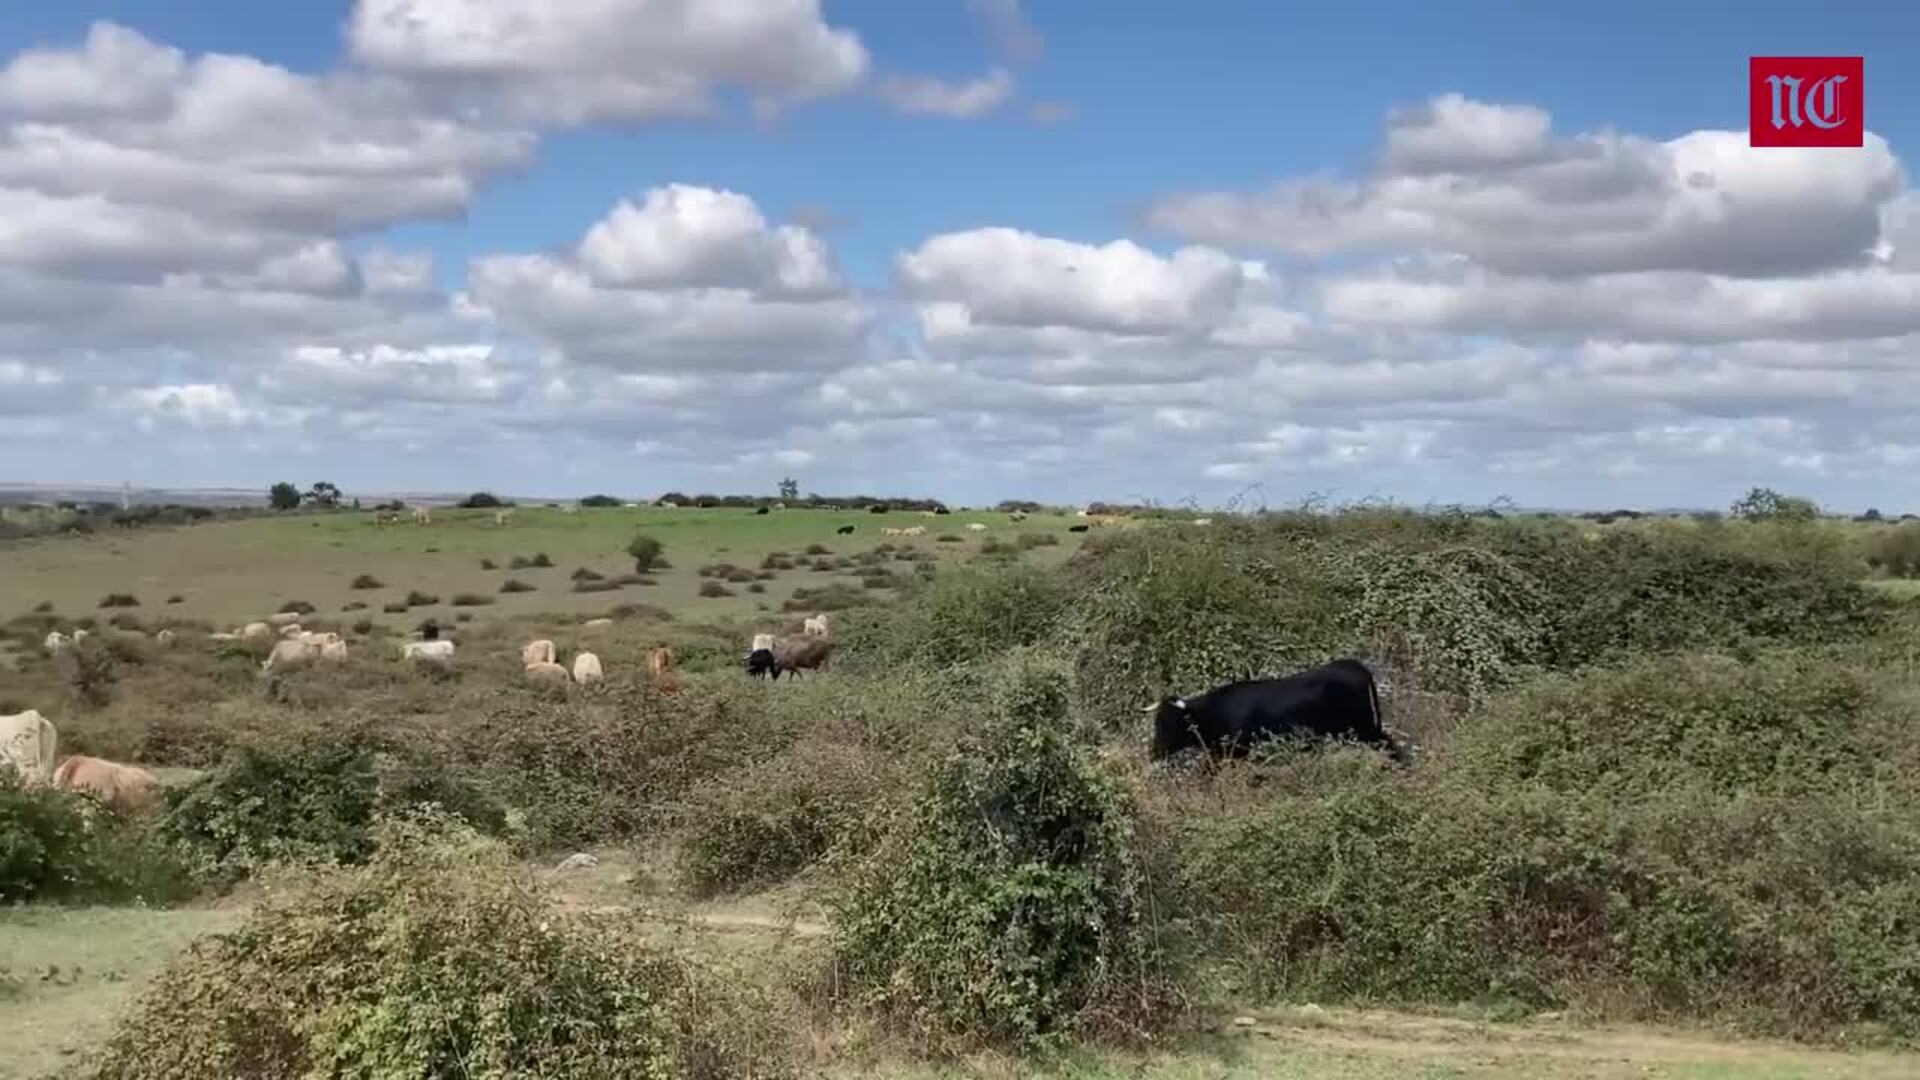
(547, 671)
(538, 652)
(815, 626)
(586, 668)
(256, 631)
(124, 789)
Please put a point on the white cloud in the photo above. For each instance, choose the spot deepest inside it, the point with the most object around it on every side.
(926, 96)
(683, 236)
(1492, 184)
(1013, 35)
(624, 60)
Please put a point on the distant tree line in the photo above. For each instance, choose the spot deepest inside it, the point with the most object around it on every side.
(809, 501)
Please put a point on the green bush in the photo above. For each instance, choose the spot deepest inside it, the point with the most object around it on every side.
(398, 607)
(1029, 540)
(645, 552)
(297, 607)
(416, 598)
(438, 963)
(119, 599)
(1469, 620)
(1008, 906)
(515, 585)
(366, 581)
(1896, 551)
(963, 617)
(309, 799)
(467, 599)
(714, 590)
(53, 848)
(818, 549)
(581, 573)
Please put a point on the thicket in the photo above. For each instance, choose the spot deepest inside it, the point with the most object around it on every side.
(54, 846)
(435, 959)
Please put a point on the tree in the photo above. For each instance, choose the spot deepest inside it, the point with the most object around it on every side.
(1766, 504)
(481, 500)
(789, 490)
(324, 494)
(645, 551)
(599, 500)
(1872, 514)
(283, 496)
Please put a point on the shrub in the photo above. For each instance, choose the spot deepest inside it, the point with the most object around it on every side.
(441, 963)
(480, 500)
(835, 597)
(467, 599)
(1008, 905)
(757, 587)
(309, 799)
(416, 598)
(1038, 540)
(51, 850)
(739, 574)
(354, 605)
(819, 549)
(595, 586)
(176, 599)
(965, 617)
(367, 581)
(95, 672)
(43, 607)
(395, 608)
(584, 574)
(119, 599)
(515, 585)
(540, 560)
(599, 501)
(776, 561)
(297, 607)
(713, 589)
(488, 564)
(645, 552)
(1896, 551)
(948, 538)
(519, 562)
(363, 627)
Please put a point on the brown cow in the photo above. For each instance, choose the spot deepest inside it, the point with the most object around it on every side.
(662, 673)
(799, 654)
(125, 789)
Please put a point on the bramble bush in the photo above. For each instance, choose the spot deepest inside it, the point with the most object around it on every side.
(53, 847)
(435, 958)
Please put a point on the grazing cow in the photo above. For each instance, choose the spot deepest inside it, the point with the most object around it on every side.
(256, 631)
(289, 655)
(760, 510)
(974, 526)
(421, 516)
(292, 630)
(570, 509)
(79, 636)
(760, 663)
(917, 530)
(845, 530)
(594, 624)
(1203, 521)
(283, 619)
(26, 746)
(439, 652)
(165, 639)
(1077, 528)
(334, 651)
(662, 674)
(538, 652)
(889, 530)
(222, 635)
(815, 626)
(123, 789)
(547, 671)
(804, 654)
(502, 517)
(1017, 515)
(58, 642)
(1329, 701)
(586, 668)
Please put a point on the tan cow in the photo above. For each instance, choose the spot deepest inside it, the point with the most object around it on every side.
(125, 789)
(974, 526)
(586, 668)
(334, 651)
(815, 626)
(26, 746)
(662, 672)
(538, 652)
(547, 671)
(917, 530)
(283, 619)
(256, 631)
(292, 631)
(891, 531)
(291, 655)
(165, 639)
(58, 642)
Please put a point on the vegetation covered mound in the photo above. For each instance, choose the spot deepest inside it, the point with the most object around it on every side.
(434, 959)
(1009, 906)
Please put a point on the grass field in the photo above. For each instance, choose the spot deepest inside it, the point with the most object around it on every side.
(232, 572)
(67, 972)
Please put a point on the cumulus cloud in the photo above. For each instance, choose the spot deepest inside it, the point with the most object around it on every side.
(927, 96)
(1493, 184)
(690, 279)
(621, 60)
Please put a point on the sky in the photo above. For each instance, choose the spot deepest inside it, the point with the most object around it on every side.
(1426, 250)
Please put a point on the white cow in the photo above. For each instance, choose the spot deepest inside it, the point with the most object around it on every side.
(293, 631)
(586, 668)
(58, 642)
(976, 527)
(26, 746)
(917, 530)
(283, 619)
(221, 635)
(165, 639)
(256, 631)
(334, 651)
(594, 624)
(439, 652)
(548, 672)
(80, 635)
(762, 641)
(538, 652)
(815, 626)
(1203, 521)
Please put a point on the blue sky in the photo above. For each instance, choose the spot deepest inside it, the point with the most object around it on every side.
(1156, 103)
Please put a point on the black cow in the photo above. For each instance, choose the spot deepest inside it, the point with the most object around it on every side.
(1329, 701)
(760, 510)
(760, 664)
(844, 530)
(1076, 528)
